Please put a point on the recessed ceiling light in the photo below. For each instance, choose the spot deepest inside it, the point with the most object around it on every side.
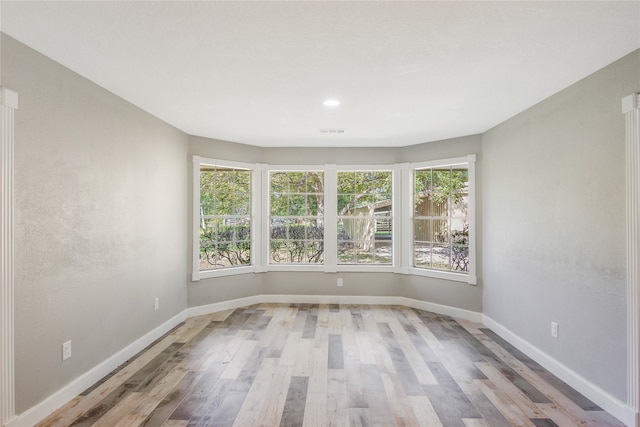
(331, 103)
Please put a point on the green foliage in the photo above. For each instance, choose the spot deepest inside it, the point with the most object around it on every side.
(441, 185)
(297, 243)
(225, 192)
(224, 246)
(297, 193)
(362, 189)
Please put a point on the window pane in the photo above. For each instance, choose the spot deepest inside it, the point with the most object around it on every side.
(383, 252)
(346, 252)
(383, 184)
(315, 252)
(364, 217)
(278, 253)
(297, 209)
(279, 204)
(225, 241)
(459, 225)
(297, 204)
(279, 182)
(312, 204)
(422, 230)
(440, 257)
(346, 183)
(297, 182)
(313, 231)
(459, 177)
(346, 203)
(296, 251)
(440, 228)
(460, 201)
(440, 231)
(422, 181)
(439, 204)
(315, 182)
(383, 228)
(422, 255)
(364, 254)
(460, 257)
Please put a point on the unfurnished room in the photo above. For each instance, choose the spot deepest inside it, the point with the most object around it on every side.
(320, 213)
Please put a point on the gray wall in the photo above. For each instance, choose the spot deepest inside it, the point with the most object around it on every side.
(100, 210)
(554, 224)
(455, 294)
(103, 224)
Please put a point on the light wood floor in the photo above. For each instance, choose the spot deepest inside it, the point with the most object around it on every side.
(330, 365)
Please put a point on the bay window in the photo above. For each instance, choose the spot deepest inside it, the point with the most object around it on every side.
(411, 218)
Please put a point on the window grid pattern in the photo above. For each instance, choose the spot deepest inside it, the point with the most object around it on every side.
(440, 218)
(225, 217)
(296, 220)
(365, 217)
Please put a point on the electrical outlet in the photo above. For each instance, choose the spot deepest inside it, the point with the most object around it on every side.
(554, 330)
(339, 281)
(157, 303)
(66, 350)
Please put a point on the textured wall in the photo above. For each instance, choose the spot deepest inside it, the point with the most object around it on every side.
(101, 208)
(554, 224)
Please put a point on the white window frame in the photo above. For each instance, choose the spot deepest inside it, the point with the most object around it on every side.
(402, 208)
(266, 226)
(470, 276)
(396, 224)
(256, 207)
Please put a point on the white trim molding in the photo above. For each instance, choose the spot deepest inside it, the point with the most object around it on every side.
(446, 310)
(591, 391)
(8, 105)
(631, 111)
(43, 409)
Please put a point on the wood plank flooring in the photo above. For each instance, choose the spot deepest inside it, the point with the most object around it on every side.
(330, 365)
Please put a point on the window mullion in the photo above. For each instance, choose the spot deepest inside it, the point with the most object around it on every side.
(330, 219)
(403, 217)
(195, 266)
(259, 209)
(471, 207)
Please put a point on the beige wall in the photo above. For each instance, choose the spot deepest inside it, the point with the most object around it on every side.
(100, 214)
(554, 225)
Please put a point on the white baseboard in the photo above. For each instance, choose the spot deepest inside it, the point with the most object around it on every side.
(200, 310)
(460, 313)
(473, 316)
(37, 413)
(86, 380)
(609, 403)
(600, 397)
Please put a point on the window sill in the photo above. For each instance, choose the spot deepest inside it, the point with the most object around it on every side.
(293, 267)
(232, 271)
(366, 268)
(447, 275)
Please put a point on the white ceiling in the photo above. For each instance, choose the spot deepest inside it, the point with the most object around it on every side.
(258, 72)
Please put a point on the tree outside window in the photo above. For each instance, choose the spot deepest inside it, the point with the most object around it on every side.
(440, 220)
(365, 217)
(296, 217)
(225, 217)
